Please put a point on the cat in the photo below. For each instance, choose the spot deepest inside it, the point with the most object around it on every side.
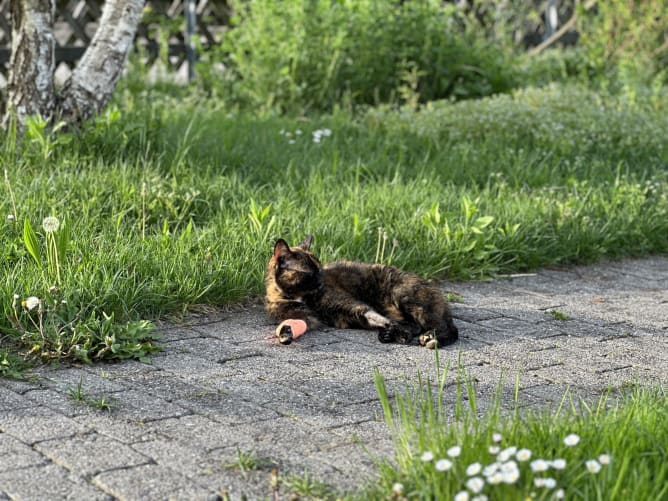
(354, 295)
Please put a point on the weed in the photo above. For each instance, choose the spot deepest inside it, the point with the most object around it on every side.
(249, 461)
(557, 315)
(77, 394)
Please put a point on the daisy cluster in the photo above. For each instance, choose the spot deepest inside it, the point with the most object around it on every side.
(506, 469)
(317, 135)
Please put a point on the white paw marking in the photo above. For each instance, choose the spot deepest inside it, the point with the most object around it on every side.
(376, 319)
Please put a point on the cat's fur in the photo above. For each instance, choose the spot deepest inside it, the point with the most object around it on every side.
(344, 294)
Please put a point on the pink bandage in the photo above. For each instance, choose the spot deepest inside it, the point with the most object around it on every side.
(298, 327)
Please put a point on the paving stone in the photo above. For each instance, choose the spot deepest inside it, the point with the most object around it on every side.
(10, 400)
(15, 454)
(223, 386)
(90, 453)
(151, 481)
(51, 482)
(34, 424)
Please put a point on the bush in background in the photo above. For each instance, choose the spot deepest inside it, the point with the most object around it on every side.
(314, 55)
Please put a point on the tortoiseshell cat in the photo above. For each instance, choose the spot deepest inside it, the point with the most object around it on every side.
(352, 295)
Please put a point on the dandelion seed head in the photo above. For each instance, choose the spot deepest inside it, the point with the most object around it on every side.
(473, 469)
(398, 488)
(475, 484)
(443, 464)
(454, 451)
(571, 440)
(427, 456)
(50, 224)
(31, 303)
(593, 466)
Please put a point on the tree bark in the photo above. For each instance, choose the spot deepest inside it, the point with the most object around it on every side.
(92, 82)
(30, 89)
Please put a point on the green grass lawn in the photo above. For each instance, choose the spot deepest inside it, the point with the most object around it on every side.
(611, 449)
(168, 202)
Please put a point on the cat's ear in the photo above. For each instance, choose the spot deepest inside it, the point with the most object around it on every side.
(306, 244)
(281, 248)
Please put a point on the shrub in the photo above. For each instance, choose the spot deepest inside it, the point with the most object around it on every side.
(305, 55)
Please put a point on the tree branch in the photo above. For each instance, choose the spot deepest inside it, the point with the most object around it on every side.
(92, 82)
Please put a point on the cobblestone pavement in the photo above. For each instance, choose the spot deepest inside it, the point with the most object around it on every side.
(222, 389)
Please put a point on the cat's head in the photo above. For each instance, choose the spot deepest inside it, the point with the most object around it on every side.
(295, 271)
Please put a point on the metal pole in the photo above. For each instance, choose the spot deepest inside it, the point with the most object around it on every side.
(191, 19)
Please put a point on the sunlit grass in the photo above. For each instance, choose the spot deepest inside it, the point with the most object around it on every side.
(173, 202)
(446, 448)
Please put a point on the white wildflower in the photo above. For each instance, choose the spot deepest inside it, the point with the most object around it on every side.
(523, 455)
(398, 488)
(10, 217)
(593, 466)
(480, 497)
(505, 454)
(454, 451)
(550, 483)
(475, 484)
(571, 440)
(326, 132)
(496, 437)
(558, 464)
(50, 224)
(473, 469)
(510, 477)
(427, 456)
(443, 465)
(560, 494)
(490, 469)
(495, 479)
(291, 141)
(604, 459)
(494, 449)
(539, 465)
(462, 496)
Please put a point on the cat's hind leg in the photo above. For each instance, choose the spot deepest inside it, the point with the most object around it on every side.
(427, 308)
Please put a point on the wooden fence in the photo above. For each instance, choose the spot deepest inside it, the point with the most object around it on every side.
(163, 23)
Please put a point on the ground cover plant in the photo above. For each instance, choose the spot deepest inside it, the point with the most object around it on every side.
(447, 448)
(160, 207)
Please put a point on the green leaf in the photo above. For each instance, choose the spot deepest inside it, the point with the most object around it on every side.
(30, 241)
(483, 221)
(62, 239)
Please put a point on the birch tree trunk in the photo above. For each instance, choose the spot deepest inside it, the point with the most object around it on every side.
(92, 82)
(30, 89)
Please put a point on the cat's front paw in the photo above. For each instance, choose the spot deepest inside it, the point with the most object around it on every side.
(375, 319)
(386, 336)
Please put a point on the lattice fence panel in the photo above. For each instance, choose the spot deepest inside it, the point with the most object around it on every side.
(163, 26)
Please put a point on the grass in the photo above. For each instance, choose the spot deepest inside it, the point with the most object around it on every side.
(609, 450)
(173, 202)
